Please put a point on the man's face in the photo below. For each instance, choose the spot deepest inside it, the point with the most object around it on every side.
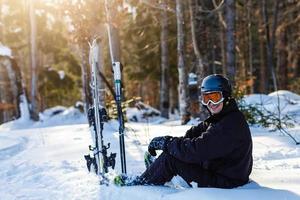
(213, 100)
(215, 109)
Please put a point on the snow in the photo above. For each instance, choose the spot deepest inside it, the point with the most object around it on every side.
(44, 160)
(286, 102)
(62, 74)
(5, 9)
(55, 116)
(143, 113)
(25, 115)
(5, 51)
(192, 79)
(286, 95)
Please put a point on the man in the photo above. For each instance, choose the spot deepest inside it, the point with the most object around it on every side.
(215, 153)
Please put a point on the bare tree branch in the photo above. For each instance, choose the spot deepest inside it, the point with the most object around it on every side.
(157, 6)
(220, 14)
(216, 9)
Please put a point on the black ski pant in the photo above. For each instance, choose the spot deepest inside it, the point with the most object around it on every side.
(165, 167)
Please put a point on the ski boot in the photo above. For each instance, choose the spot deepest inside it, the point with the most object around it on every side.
(124, 180)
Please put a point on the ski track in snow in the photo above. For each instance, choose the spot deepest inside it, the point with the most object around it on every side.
(11, 147)
(34, 168)
(47, 163)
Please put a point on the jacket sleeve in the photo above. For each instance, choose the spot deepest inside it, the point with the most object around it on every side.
(196, 131)
(217, 141)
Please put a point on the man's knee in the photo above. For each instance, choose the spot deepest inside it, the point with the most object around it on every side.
(167, 158)
(167, 161)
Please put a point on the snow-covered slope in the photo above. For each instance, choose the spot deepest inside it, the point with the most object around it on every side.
(286, 102)
(45, 161)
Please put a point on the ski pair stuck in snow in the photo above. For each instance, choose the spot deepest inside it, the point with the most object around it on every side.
(98, 160)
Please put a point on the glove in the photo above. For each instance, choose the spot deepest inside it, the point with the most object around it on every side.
(158, 143)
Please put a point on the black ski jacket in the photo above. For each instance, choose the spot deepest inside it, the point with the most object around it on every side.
(221, 144)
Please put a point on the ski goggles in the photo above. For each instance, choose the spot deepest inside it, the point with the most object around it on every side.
(214, 97)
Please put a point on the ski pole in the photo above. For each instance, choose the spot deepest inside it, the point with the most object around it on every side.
(118, 88)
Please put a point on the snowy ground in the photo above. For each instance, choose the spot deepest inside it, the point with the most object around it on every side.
(5, 51)
(45, 161)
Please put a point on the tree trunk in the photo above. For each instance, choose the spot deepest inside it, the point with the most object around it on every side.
(241, 51)
(230, 38)
(223, 50)
(10, 89)
(34, 111)
(164, 83)
(249, 11)
(2, 39)
(173, 99)
(195, 103)
(296, 66)
(282, 61)
(270, 39)
(264, 74)
(198, 55)
(222, 35)
(272, 42)
(182, 87)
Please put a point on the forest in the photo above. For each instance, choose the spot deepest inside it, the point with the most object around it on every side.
(166, 47)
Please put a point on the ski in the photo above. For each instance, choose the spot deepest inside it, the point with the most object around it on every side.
(97, 160)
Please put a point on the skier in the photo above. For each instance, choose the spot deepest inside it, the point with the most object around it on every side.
(215, 153)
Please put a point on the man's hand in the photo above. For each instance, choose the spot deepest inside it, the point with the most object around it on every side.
(158, 143)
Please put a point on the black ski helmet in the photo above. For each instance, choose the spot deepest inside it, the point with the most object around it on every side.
(216, 82)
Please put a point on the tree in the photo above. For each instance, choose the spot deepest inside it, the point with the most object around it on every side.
(230, 38)
(223, 27)
(282, 58)
(199, 59)
(141, 52)
(200, 71)
(10, 88)
(263, 71)
(34, 109)
(139, 23)
(84, 22)
(182, 75)
(270, 37)
(2, 25)
(164, 83)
